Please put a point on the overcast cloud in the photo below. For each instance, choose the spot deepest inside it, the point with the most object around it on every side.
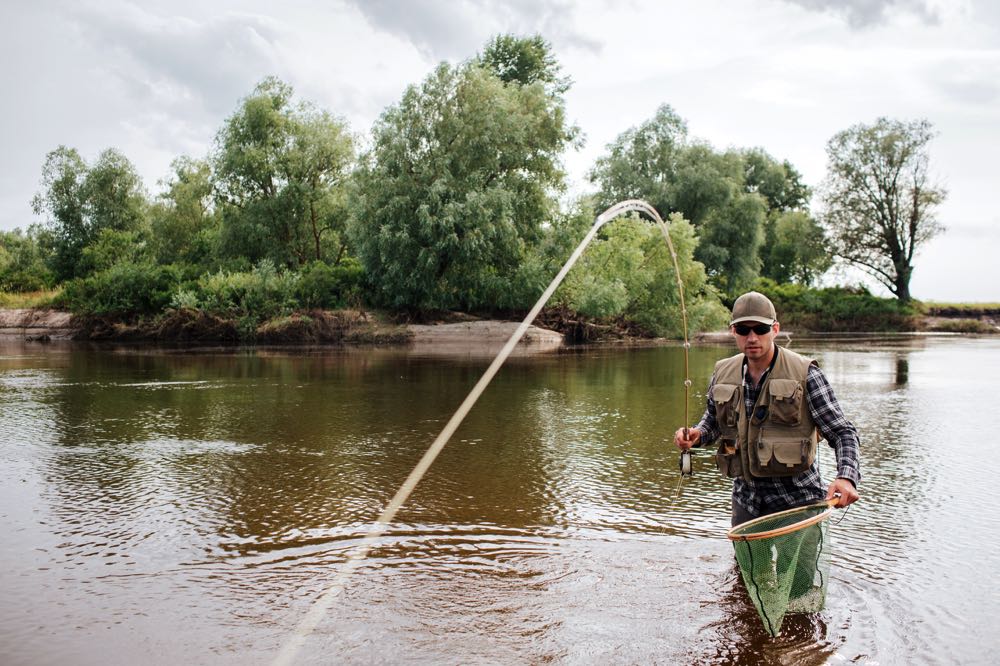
(157, 79)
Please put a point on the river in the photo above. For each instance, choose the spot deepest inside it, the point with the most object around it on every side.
(167, 507)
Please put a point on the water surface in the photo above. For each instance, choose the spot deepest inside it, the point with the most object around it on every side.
(189, 507)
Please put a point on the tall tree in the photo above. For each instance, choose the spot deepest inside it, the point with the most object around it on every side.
(280, 169)
(82, 201)
(880, 200)
(459, 180)
(183, 219)
(729, 196)
(642, 163)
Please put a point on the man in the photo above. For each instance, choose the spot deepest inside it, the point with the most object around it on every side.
(768, 407)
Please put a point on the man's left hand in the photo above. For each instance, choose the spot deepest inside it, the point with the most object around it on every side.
(848, 493)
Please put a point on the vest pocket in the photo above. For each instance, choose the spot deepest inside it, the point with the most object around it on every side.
(783, 456)
(785, 401)
(727, 459)
(726, 410)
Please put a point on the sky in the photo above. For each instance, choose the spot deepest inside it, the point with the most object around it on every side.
(157, 79)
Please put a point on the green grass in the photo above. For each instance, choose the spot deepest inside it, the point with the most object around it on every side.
(29, 299)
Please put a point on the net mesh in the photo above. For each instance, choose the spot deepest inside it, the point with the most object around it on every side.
(785, 563)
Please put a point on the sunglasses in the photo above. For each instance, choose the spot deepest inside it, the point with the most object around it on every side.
(759, 329)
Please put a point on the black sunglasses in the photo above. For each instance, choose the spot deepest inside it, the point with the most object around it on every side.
(759, 329)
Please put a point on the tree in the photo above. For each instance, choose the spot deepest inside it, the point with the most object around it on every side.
(795, 248)
(642, 163)
(280, 169)
(81, 201)
(183, 219)
(729, 196)
(22, 261)
(524, 60)
(457, 184)
(879, 199)
(628, 271)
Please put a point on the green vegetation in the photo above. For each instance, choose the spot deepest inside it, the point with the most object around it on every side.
(880, 200)
(458, 203)
(837, 308)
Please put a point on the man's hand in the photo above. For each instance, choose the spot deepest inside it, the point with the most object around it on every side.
(847, 491)
(685, 443)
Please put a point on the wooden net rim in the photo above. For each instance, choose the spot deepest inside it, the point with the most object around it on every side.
(786, 529)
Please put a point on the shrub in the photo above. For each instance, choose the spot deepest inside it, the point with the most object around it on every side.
(125, 289)
(836, 308)
(323, 286)
(250, 297)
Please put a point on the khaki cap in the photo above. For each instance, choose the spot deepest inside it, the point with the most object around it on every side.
(754, 306)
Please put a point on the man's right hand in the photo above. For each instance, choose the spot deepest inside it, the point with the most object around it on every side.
(693, 436)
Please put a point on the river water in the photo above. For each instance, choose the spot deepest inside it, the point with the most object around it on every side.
(164, 507)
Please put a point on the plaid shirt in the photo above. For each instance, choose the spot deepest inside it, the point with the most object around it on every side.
(770, 494)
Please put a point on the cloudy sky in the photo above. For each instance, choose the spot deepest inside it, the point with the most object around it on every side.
(156, 79)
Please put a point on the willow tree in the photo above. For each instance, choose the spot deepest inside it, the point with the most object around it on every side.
(880, 200)
(459, 180)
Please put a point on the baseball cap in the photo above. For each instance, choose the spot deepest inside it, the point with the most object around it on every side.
(754, 306)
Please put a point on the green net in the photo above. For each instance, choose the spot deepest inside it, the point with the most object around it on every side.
(785, 562)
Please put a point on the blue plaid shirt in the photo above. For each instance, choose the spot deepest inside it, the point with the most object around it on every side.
(770, 494)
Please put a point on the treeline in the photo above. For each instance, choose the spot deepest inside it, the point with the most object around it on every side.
(454, 205)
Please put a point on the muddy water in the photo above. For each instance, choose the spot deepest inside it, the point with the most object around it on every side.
(166, 508)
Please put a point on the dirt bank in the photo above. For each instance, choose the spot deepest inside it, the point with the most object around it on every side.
(340, 327)
(33, 324)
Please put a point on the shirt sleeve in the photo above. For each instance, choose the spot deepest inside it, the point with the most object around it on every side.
(834, 426)
(708, 425)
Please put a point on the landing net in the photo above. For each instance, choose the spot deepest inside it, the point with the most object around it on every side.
(785, 563)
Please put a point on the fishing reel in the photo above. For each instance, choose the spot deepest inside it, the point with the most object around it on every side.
(685, 461)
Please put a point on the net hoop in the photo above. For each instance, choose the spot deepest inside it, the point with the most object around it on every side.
(736, 533)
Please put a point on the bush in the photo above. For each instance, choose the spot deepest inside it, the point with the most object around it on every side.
(125, 289)
(250, 297)
(835, 309)
(323, 286)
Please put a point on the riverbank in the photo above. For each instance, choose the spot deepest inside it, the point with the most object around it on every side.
(454, 332)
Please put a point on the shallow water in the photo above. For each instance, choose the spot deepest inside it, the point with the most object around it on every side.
(166, 507)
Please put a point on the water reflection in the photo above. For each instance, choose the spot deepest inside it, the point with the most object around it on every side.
(150, 495)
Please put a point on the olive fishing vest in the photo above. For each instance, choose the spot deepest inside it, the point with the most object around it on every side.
(779, 437)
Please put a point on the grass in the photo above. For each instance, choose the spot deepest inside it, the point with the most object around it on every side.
(29, 299)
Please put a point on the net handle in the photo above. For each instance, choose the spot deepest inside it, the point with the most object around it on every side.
(787, 529)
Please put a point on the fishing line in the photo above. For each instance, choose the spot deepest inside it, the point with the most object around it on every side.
(356, 556)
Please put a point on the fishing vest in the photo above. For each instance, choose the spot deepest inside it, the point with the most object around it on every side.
(779, 437)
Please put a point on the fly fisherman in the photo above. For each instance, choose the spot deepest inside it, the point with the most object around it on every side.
(769, 407)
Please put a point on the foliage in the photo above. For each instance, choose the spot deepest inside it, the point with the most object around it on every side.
(836, 308)
(321, 285)
(22, 262)
(112, 247)
(81, 201)
(185, 226)
(729, 196)
(629, 272)
(642, 162)
(280, 170)
(879, 199)
(125, 289)
(456, 187)
(250, 297)
(524, 60)
(795, 248)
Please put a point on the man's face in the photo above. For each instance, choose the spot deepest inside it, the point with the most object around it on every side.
(756, 346)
